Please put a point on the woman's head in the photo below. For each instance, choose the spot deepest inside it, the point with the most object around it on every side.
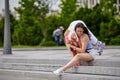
(81, 29)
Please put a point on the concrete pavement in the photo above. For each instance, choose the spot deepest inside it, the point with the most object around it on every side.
(40, 62)
(57, 53)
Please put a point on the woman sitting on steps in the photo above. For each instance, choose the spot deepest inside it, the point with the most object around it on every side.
(84, 52)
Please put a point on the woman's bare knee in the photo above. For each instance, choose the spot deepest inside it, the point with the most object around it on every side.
(84, 56)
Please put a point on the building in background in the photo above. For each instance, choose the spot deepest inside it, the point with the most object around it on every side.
(89, 3)
(80, 3)
(54, 7)
(117, 4)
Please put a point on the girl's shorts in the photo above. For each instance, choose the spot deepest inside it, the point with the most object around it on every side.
(92, 52)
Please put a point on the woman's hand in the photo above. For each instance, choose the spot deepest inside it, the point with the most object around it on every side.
(68, 45)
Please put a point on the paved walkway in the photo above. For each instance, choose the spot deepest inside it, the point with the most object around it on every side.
(56, 53)
(28, 55)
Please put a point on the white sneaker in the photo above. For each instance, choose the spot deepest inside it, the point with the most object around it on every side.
(58, 71)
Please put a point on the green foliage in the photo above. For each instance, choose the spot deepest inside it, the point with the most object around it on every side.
(48, 43)
(103, 31)
(13, 22)
(115, 41)
(34, 27)
(31, 26)
(53, 22)
(101, 14)
(68, 8)
(1, 31)
(110, 30)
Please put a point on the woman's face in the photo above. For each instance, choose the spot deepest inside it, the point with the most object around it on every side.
(79, 31)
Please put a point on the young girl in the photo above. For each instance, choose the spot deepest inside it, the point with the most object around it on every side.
(83, 53)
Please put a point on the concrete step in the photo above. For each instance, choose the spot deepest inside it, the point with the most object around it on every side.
(100, 69)
(50, 76)
(97, 62)
(93, 70)
(35, 61)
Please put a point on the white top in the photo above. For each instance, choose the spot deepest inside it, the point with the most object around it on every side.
(73, 24)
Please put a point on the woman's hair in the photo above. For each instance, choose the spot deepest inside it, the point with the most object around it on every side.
(80, 25)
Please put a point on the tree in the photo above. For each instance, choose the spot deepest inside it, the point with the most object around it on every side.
(31, 25)
(102, 13)
(52, 24)
(109, 23)
(110, 32)
(67, 14)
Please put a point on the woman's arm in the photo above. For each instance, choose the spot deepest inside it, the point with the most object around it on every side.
(84, 42)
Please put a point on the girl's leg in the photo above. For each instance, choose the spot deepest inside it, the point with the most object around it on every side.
(73, 53)
(73, 61)
(82, 57)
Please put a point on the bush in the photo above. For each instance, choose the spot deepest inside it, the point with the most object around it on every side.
(48, 43)
(115, 41)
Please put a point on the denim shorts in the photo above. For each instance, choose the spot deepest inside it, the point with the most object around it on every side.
(92, 52)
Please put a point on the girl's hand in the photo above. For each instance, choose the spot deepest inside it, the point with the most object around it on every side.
(68, 45)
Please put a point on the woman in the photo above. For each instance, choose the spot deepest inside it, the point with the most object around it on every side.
(85, 51)
(94, 40)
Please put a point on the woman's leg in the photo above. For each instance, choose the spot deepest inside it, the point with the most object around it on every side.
(81, 56)
(73, 53)
(73, 61)
(68, 38)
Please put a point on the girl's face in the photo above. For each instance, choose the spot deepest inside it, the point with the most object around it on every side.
(79, 31)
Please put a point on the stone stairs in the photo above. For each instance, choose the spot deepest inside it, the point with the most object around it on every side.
(100, 69)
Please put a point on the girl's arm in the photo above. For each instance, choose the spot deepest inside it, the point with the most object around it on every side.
(84, 42)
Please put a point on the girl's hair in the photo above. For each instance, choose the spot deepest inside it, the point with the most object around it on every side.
(80, 25)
